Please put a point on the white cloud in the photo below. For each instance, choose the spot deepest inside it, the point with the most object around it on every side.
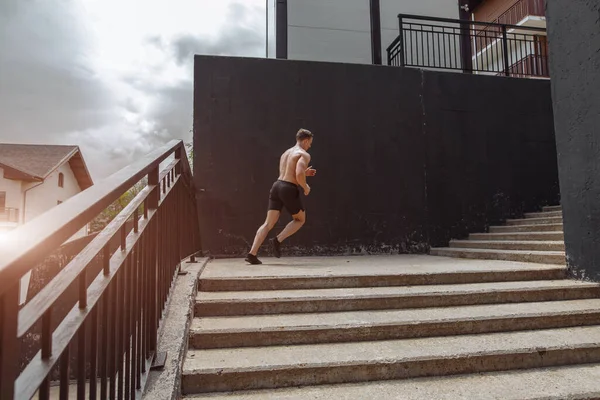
(114, 76)
(46, 85)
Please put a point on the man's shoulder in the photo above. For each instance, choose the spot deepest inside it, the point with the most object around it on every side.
(302, 153)
(296, 153)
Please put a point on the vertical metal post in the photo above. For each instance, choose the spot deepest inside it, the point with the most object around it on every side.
(64, 374)
(401, 34)
(375, 14)
(46, 351)
(94, 353)
(505, 51)
(9, 344)
(466, 49)
(81, 358)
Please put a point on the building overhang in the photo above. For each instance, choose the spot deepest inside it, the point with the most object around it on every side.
(473, 4)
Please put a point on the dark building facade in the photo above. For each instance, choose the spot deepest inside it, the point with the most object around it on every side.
(406, 159)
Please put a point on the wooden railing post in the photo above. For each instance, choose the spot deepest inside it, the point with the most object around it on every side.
(151, 305)
(178, 155)
(177, 213)
(9, 343)
(154, 197)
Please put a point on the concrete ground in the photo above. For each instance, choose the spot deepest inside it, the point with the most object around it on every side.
(356, 266)
(164, 384)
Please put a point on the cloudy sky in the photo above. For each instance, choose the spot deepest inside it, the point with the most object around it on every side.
(112, 76)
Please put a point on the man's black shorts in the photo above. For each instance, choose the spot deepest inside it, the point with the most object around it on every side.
(285, 194)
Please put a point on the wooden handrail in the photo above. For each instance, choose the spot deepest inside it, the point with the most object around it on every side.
(45, 299)
(28, 244)
(27, 384)
(118, 308)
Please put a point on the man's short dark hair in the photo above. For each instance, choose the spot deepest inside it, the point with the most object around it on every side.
(303, 134)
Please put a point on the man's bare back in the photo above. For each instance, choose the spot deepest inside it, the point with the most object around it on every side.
(288, 164)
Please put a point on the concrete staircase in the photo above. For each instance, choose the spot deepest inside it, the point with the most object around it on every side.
(537, 238)
(379, 327)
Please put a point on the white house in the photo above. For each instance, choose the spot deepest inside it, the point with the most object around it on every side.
(36, 178)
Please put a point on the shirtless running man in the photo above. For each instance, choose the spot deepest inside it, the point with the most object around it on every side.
(293, 170)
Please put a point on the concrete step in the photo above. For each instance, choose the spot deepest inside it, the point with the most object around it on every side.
(567, 382)
(349, 272)
(388, 298)
(552, 208)
(354, 326)
(543, 257)
(545, 214)
(526, 228)
(519, 236)
(535, 221)
(509, 245)
(284, 366)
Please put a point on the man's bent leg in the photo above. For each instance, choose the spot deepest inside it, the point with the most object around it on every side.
(293, 226)
(263, 231)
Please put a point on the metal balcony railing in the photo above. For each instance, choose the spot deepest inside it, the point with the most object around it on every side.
(513, 16)
(9, 215)
(469, 46)
(521, 10)
(532, 65)
(113, 299)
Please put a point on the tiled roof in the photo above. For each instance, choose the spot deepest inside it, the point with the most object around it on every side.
(35, 160)
(38, 161)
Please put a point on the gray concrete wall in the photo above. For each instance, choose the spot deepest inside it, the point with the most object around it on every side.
(574, 37)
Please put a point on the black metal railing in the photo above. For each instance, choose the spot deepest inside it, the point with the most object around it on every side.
(9, 214)
(520, 10)
(469, 46)
(96, 321)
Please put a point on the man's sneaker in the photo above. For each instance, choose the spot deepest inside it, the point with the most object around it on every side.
(276, 247)
(252, 259)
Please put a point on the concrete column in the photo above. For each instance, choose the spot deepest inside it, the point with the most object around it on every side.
(574, 37)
